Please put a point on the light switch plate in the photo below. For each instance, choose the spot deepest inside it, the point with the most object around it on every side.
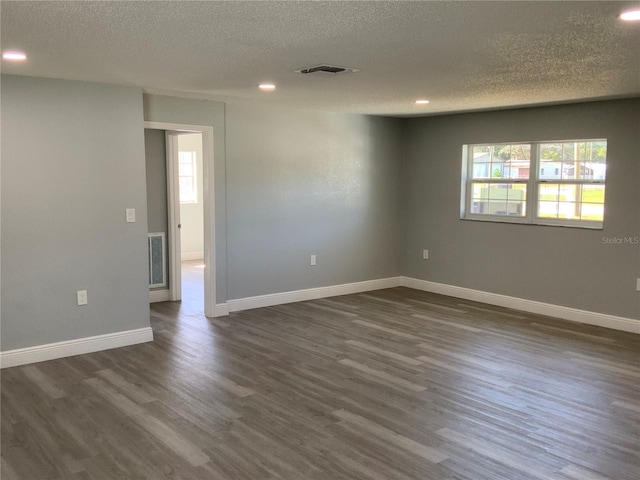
(82, 297)
(131, 215)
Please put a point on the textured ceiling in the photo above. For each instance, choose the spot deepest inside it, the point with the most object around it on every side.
(461, 55)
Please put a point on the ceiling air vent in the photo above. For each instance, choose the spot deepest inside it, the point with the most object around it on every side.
(326, 69)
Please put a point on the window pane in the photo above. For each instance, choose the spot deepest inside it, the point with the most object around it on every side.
(549, 170)
(549, 191)
(187, 175)
(480, 149)
(556, 200)
(501, 161)
(551, 152)
(547, 209)
(592, 152)
(594, 158)
(518, 163)
(186, 188)
(575, 202)
(479, 191)
(592, 212)
(592, 203)
(504, 199)
(569, 152)
(185, 169)
(573, 160)
(481, 162)
(570, 171)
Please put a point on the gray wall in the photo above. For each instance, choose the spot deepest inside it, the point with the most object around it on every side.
(156, 168)
(302, 183)
(563, 266)
(364, 194)
(72, 162)
(160, 108)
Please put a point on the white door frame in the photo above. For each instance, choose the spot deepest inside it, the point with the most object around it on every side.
(209, 211)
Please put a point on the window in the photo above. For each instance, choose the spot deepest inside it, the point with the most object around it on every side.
(187, 174)
(547, 183)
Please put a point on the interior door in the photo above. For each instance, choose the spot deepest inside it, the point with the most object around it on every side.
(173, 209)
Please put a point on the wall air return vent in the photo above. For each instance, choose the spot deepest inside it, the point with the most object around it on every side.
(157, 260)
(326, 70)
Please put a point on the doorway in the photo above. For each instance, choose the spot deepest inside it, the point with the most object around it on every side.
(194, 213)
(191, 221)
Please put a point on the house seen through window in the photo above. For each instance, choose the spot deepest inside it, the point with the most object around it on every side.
(550, 183)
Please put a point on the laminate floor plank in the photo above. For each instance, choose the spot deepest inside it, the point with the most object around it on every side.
(578, 473)
(428, 453)
(388, 330)
(6, 471)
(394, 384)
(492, 311)
(384, 378)
(446, 323)
(523, 463)
(358, 467)
(383, 353)
(354, 440)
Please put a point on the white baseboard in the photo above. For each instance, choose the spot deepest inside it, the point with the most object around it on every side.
(558, 311)
(51, 351)
(191, 255)
(311, 294)
(158, 296)
(221, 310)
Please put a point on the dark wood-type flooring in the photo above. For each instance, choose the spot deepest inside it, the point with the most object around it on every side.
(394, 384)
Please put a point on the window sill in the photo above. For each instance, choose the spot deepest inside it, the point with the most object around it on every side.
(536, 222)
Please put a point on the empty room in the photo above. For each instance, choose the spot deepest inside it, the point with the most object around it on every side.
(320, 240)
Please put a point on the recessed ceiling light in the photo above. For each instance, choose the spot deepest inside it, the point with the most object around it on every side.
(14, 56)
(631, 15)
(267, 87)
(422, 102)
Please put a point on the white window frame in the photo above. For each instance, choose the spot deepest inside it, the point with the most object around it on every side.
(533, 184)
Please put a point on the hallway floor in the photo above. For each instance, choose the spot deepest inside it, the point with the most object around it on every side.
(192, 288)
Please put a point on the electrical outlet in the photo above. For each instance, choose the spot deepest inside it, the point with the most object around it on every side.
(637, 284)
(313, 260)
(425, 254)
(82, 297)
